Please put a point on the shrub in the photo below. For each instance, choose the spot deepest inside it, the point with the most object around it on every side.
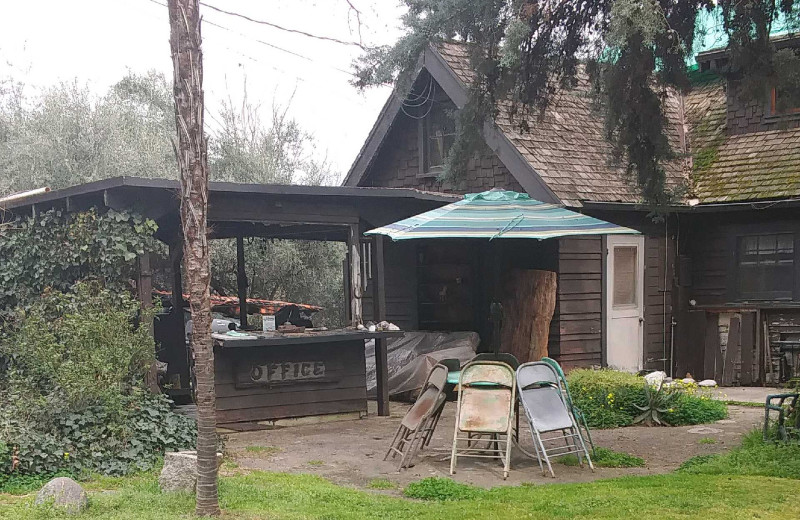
(71, 387)
(113, 438)
(607, 398)
(695, 409)
(81, 345)
(57, 249)
(610, 399)
(435, 488)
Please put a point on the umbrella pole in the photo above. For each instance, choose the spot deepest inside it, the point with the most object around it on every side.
(496, 308)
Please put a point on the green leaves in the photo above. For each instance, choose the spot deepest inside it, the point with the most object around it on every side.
(56, 250)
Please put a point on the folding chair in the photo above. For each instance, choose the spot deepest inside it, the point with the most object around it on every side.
(547, 411)
(417, 426)
(577, 414)
(512, 361)
(486, 396)
(503, 357)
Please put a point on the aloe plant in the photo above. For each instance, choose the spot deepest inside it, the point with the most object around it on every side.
(660, 400)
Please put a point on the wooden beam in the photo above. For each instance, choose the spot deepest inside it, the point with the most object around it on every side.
(378, 315)
(144, 289)
(603, 301)
(356, 287)
(712, 353)
(748, 344)
(261, 209)
(241, 282)
(732, 350)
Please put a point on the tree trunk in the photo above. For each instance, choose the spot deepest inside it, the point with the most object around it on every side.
(191, 151)
(528, 306)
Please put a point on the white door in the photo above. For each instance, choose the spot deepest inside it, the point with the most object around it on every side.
(625, 294)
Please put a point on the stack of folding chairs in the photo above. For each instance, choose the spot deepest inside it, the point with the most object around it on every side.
(416, 428)
(554, 429)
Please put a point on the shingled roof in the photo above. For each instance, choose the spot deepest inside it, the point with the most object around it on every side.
(568, 147)
(567, 152)
(729, 168)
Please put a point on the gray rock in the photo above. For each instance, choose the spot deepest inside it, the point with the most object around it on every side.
(704, 430)
(64, 493)
(180, 471)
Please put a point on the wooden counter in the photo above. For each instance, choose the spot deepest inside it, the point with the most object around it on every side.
(270, 376)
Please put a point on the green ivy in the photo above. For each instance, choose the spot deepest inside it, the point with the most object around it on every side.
(56, 249)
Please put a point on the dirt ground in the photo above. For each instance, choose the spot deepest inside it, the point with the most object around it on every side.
(351, 452)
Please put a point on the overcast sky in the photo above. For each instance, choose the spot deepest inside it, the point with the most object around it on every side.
(98, 41)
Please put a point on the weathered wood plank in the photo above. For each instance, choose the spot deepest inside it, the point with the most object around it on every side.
(276, 399)
(291, 410)
(748, 345)
(732, 350)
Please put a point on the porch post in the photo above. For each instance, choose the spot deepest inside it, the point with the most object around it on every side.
(356, 288)
(241, 282)
(144, 290)
(379, 314)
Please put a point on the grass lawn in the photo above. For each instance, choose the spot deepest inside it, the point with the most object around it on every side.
(282, 496)
(755, 480)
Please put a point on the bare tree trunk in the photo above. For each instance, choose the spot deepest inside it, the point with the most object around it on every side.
(191, 150)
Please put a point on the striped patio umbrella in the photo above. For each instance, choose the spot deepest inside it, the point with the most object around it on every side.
(498, 214)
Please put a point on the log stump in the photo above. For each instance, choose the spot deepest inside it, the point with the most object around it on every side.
(529, 301)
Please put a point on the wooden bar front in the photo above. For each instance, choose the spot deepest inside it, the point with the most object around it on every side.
(272, 376)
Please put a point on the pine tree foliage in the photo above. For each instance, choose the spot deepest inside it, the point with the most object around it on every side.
(635, 52)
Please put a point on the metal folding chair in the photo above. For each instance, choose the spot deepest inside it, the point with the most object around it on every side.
(547, 412)
(577, 414)
(486, 396)
(503, 357)
(417, 426)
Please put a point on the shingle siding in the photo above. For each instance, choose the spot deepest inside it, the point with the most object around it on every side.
(397, 165)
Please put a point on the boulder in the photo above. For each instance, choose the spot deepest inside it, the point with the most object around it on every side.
(180, 471)
(655, 378)
(64, 493)
(707, 383)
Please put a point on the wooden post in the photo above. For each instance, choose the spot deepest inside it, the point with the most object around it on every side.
(144, 289)
(241, 282)
(356, 287)
(748, 344)
(379, 314)
(732, 350)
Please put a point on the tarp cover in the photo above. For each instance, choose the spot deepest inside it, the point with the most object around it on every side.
(412, 357)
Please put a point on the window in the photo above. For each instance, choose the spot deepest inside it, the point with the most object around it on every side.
(783, 102)
(766, 266)
(625, 263)
(438, 134)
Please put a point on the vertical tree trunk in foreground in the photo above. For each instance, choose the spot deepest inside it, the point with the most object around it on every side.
(187, 60)
(528, 310)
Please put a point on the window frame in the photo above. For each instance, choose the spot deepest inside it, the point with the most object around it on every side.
(773, 105)
(423, 141)
(764, 294)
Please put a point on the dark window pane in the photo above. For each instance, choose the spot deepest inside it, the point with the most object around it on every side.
(441, 131)
(766, 266)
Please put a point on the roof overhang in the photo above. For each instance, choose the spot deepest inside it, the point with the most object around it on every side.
(266, 210)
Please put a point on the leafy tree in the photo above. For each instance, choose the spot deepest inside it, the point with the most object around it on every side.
(66, 135)
(634, 50)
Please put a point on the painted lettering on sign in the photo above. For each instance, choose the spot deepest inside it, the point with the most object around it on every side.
(287, 371)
